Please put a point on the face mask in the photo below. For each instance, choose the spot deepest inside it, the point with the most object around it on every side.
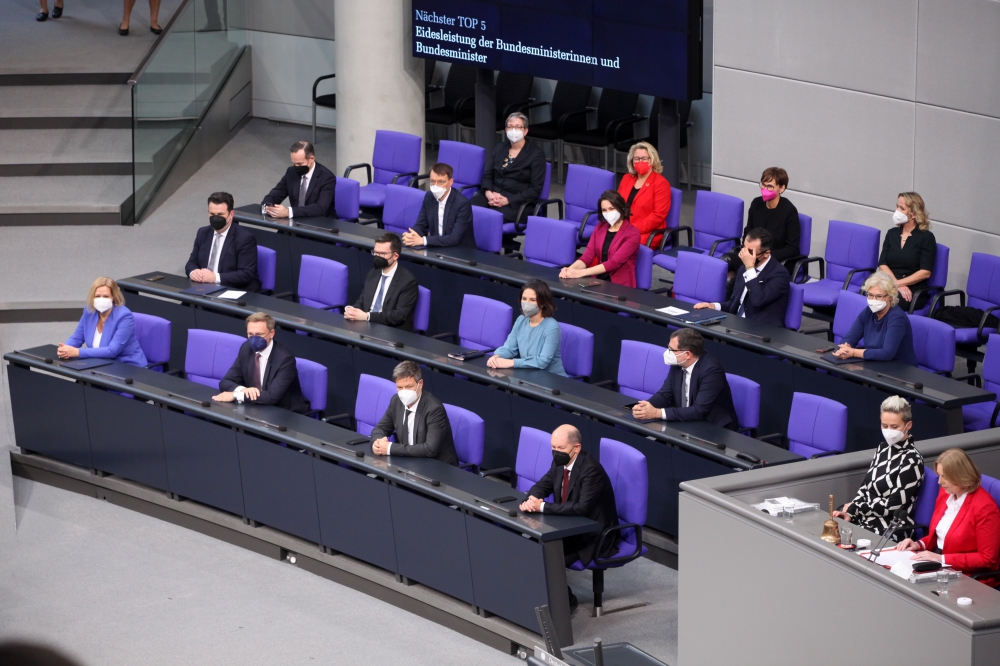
(381, 263)
(876, 306)
(670, 357)
(560, 458)
(529, 309)
(438, 191)
(900, 218)
(258, 343)
(407, 397)
(641, 168)
(218, 222)
(301, 170)
(515, 135)
(894, 436)
(768, 195)
(102, 305)
(612, 216)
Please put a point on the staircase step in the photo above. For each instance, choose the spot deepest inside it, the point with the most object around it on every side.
(65, 107)
(63, 200)
(14, 78)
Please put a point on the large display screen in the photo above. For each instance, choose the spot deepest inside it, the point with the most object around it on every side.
(651, 47)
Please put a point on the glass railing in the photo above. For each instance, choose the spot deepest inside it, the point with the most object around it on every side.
(176, 84)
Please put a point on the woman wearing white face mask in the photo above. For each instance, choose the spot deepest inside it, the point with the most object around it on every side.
(106, 326)
(894, 476)
(535, 339)
(516, 174)
(909, 250)
(884, 327)
(613, 247)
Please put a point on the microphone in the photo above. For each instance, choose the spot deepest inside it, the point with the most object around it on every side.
(915, 385)
(893, 527)
(762, 338)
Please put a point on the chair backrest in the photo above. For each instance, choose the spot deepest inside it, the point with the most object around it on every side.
(209, 355)
(641, 370)
(615, 105)
(402, 206)
(484, 323)
(933, 344)
(313, 378)
(487, 226)
(569, 97)
(626, 468)
(716, 216)
(816, 424)
(805, 234)
(939, 274)
(992, 486)
(644, 268)
(267, 261)
(153, 334)
(746, 400)
(322, 282)
(374, 394)
(466, 160)
(469, 432)
(549, 242)
(422, 313)
(700, 277)
(850, 246)
(793, 312)
(395, 153)
(347, 199)
(991, 364)
(926, 497)
(584, 185)
(461, 83)
(849, 305)
(534, 457)
(673, 219)
(512, 89)
(576, 346)
(547, 183)
(983, 286)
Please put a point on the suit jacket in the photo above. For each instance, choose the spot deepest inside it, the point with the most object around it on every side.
(319, 196)
(767, 294)
(398, 303)
(622, 254)
(711, 399)
(237, 260)
(522, 180)
(590, 495)
(651, 204)
(432, 431)
(118, 341)
(281, 378)
(458, 229)
(973, 541)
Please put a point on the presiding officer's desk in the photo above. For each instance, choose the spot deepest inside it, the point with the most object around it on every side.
(780, 595)
(506, 399)
(301, 476)
(783, 365)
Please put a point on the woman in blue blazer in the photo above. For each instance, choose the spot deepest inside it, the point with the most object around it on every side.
(106, 326)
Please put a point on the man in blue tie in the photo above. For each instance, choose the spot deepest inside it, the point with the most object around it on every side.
(390, 293)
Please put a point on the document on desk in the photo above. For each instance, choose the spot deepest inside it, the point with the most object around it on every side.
(672, 311)
(774, 505)
(231, 294)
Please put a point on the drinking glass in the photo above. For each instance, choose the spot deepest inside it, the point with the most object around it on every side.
(846, 535)
(942, 581)
(788, 510)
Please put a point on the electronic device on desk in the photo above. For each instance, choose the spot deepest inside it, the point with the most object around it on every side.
(466, 355)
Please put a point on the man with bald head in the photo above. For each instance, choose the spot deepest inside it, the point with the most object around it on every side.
(579, 487)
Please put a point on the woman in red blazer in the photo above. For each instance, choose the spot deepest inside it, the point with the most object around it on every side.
(646, 190)
(965, 527)
(612, 248)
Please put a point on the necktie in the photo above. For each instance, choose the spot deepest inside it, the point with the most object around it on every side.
(213, 257)
(410, 413)
(685, 389)
(377, 305)
(565, 486)
(257, 383)
(302, 191)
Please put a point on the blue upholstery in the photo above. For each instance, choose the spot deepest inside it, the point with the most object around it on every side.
(534, 457)
(644, 268)
(716, 216)
(934, 344)
(153, 334)
(746, 399)
(209, 355)
(487, 226)
(374, 394)
(466, 160)
(267, 260)
(313, 381)
(926, 498)
(484, 323)
(849, 246)
(816, 425)
(322, 283)
(584, 186)
(401, 207)
(983, 290)
(549, 242)
(509, 229)
(641, 370)
(978, 416)
(793, 313)
(938, 279)
(422, 313)
(577, 350)
(347, 199)
(468, 430)
(849, 306)
(395, 153)
(700, 277)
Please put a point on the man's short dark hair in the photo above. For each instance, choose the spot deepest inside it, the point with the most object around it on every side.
(405, 370)
(690, 340)
(222, 198)
(760, 234)
(305, 146)
(443, 169)
(393, 239)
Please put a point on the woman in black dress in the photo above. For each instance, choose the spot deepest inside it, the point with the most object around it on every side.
(516, 173)
(909, 249)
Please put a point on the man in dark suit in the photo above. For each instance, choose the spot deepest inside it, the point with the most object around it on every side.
(695, 389)
(390, 293)
(418, 419)
(445, 220)
(305, 175)
(264, 372)
(761, 289)
(224, 252)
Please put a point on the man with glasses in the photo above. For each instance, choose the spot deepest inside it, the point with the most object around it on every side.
(516, 173)
(390, 293)
(695, 389)
(445, 219)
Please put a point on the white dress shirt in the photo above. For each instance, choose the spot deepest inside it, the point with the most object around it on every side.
(686, 384)
(568, 468)
(954, 505)
(409, 415)
(750, 274)
(389, 273)
(264, 355)
(303, 189)
(97, 338)
(220, 238)
(441, 204)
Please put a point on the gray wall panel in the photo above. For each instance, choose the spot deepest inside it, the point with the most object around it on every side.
(304, 18)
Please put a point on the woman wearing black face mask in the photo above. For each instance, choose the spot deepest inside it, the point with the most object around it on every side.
(535, 339)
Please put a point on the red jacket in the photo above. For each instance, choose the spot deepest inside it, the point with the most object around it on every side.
(621, 255)
(972, 544)
(651, 203)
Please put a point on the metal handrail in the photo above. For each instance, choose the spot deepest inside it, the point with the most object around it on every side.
(134, 78)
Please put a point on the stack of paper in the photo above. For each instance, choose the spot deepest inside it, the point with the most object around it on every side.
(774, 505)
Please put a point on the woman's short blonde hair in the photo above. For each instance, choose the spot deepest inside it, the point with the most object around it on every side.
(896, 404)
(654, 157)
(884, 280)
(116, 294)
(915, 203)
(956, 466)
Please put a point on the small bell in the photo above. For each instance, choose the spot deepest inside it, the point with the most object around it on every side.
(831, 530)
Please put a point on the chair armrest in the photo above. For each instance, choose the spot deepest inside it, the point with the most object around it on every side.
(316, 83)
(546, 202)
(473, 467)
(920, 528)
(583, 225)
(515, 255)
(789, 263)
(317, 413)
(441, 336)
(711, 251)
(625, 558)
(611, 133)
(973, 379)
(176, 372)
(805, 262)
(814, 331)
(982, 322)
(367, 222)
(941, 295)
(518, 106)
(535, 105)
(915, 294)
(344, 418)
(610, 383)
(571, 114)
(776, 438)
(501, 472)
(985, 574)
(368, 169)
(824, 454)
(474, 186)
(662, 290)
(676, 232)
(285, 294)
(653, 234)
(850, 274)
(400, 175)
(416, 179)
(462, 102)
(996, 412)
(162, 364)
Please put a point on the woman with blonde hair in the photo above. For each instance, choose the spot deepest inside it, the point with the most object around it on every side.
(909, 249)
(107, 327)
(884, 327)
(646, 191)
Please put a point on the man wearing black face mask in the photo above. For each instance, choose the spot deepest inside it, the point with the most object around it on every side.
(224, 252)
(390, 293)
(761, 289)
(308, 176)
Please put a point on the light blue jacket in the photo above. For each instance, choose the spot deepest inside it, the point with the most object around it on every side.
(118, 341)
(536, 347)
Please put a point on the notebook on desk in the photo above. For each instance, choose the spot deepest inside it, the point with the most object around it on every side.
(703, 316)
(203, 289)
(830, 358)
(85, 363)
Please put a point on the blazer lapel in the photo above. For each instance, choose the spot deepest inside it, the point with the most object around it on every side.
(228, 243)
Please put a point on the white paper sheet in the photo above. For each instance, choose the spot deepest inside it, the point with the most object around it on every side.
(672, 311)
(231, 294)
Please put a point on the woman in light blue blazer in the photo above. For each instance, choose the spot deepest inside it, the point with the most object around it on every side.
(106, 326)
(535, 339)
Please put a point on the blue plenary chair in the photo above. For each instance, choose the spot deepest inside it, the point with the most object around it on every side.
(716, 228)
(926, 499)
(933, 344)
(793, 312)
(374, 394)
(817, 426)
(805, 243)
(395, 160)
(347, 200)
(700, 278)
(983, 415)
(584, 186)
(511, 229)
(267, 261)
(851, 256)
(644, 268)
(487, 226)
(534, 458)
(548, 242)
(466, 160)
(746, 400)
(936, 283)
(401, 208)
(672, 221)
(209, 355)
(626, 468)
(983, 290)
(468, 430)
(153, 334)
(322, 283)
(577, 349)
(641, 370)
(484, 323)
(849, 306)
(313, 381)
(422, 313)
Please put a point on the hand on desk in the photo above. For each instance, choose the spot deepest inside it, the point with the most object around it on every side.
(531, 505)
(645, 411)
(570, 273)
(497, 362)
(277, 211)
(354, 314)
(847, 351)
(202, 275)
(703, 306)
(843, 515)
(380, 447)
(65, 351)
(225, 396)
(412, 239)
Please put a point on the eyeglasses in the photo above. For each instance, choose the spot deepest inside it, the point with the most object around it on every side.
(879, 297)
(641, 159)
(384, 255)
(769, 188)
(514, 127)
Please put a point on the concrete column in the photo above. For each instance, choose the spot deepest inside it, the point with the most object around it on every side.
(379, 84)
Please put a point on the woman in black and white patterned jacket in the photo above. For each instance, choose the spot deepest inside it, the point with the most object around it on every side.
(894, 476)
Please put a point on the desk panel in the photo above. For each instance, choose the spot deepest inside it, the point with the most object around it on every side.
(203, 462)
(126, 437)
(33, 396)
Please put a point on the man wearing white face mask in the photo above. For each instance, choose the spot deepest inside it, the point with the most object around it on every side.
(107, 327)
(417, 418)
(894, 476)
(445, 219)
(515, 175)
